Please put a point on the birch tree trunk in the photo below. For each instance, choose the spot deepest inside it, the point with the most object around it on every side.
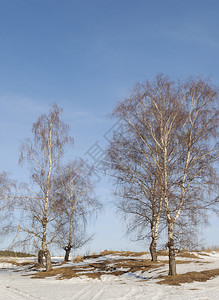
(45, 250)
(48, 261)
(68, 248)
(40, 258)
(153, 249)
(154, 235)
(172, 260)
(67, 252)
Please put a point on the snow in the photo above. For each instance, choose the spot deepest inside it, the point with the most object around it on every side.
(5, 265)
(16, 283)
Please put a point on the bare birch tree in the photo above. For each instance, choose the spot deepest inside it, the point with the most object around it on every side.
(131, 157)
(43, 154)
(143, 215)
(6, 203)
(175, 125)
(188, 118)
(78, 202)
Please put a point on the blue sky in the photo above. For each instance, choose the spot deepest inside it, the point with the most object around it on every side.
(87, 55)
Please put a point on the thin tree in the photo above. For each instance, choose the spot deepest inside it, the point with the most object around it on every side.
(43, 154)
(7, 203)
(132, 162)
(143, 215)
(78, 202)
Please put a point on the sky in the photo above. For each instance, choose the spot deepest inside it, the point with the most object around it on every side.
(87, 55)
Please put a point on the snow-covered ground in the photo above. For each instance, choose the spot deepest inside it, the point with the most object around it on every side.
(16, 282)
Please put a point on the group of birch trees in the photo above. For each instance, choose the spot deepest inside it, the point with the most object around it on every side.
(55, 204)
(163, 158)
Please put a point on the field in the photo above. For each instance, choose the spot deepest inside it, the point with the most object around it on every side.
(112, 275)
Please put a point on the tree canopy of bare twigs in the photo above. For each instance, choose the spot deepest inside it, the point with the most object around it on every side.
(6, 203)
(166, 148)
(43, 154)
(75, 194)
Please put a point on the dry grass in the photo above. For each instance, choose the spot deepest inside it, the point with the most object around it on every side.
(119, 266)
(78, 259)
(119, 253)
(163, 253)
(65, 272)
(134, 265)
(14, 262)
(187, 254)
(131, 253)
(182, 253)
(7, 253)
(107, 252)
(180, 262)
(95, 270)
(91, 256)
(210, 249)
(122, 253)
(189, 277)
(68, 273)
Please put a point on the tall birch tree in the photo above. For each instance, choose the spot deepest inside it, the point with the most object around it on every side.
(132, 160)
(43, 154)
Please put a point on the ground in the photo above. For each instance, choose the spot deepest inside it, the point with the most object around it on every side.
(112, 275)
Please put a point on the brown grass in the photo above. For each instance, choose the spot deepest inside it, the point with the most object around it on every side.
(68, 273)
(104, 267)
(189, 277)
(211, 248)
(122, 253)
(95, 270)
(180, 262)
(7, 253)
(10, 261)
(91, 256)
(131, 253)
(182, 253)
(65, 272)
(106, 252)
(92, 271)
(119, 253)
(78, 259)
(119, 266)
(137, 265)
(187, 254)
(163, 253)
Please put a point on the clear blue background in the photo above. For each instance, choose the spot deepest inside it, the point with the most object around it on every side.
(87, 55)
